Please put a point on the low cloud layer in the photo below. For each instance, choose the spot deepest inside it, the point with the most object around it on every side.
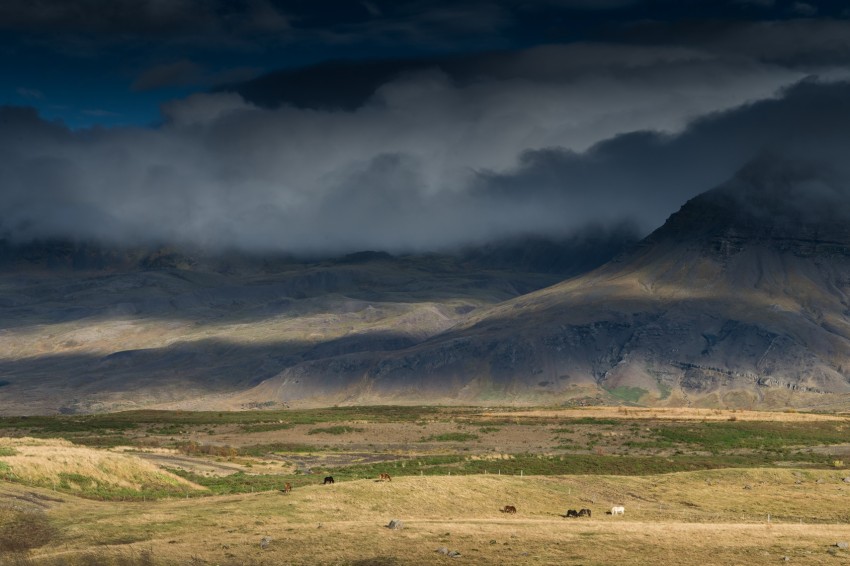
(432, 158)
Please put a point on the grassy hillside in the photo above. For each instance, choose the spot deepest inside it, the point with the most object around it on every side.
(65, 467)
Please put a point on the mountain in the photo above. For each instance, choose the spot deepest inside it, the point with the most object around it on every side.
(87, 328)
(740, 299)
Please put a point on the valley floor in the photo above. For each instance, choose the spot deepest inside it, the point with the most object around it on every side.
(178, 488)
(688, 518)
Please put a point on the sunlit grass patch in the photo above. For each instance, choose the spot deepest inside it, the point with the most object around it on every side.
(100, 474)
(630, 394)
(720, 436)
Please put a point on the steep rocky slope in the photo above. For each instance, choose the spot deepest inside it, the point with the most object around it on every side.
(740, 299)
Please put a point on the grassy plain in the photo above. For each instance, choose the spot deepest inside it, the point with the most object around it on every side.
(699, 487)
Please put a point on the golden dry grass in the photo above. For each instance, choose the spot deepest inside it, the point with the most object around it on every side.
(49, 462)
(664, 413)
(717, 517)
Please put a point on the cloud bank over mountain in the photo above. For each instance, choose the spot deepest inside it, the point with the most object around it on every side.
(436, 154)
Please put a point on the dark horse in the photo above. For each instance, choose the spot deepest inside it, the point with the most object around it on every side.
(329, 479)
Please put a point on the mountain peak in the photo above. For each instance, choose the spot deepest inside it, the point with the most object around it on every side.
(796, 206)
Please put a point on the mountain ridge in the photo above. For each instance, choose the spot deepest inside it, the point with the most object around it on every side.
(727, 303)
(193, 328)
(741, 299)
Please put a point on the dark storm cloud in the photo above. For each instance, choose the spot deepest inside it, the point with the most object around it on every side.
(143, 17)
(424, 166)
(434, 152)
(349, 84)
(328, 21)
(806, 43)
(649, 174)
(801, 46)
(179, 73)
(793, 42)
(428, 25)
(759, 3)
(433, 25)
(804, 9)
(188, 73)
(591, 4)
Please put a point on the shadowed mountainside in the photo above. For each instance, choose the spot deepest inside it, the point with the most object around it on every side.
(92, 329)
(740, 299)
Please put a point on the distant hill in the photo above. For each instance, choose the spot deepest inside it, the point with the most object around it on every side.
(88, 328)
(565, 256)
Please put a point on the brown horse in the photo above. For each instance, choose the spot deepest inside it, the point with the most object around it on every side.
(287, 487)
(385, 477)
(508, 509)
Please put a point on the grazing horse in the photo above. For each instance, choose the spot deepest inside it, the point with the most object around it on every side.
(584, 512)
(287, 487)
(385, 477)
(329, 479)
(618, 510)
(571, 513)
(508, 509)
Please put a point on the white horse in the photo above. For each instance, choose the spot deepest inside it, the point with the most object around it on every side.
(618, 510)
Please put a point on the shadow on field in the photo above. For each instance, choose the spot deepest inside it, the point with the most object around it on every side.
(376, 561)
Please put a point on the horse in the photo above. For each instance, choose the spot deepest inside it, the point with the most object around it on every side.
(618, 510)
(385, 477)
(571, 513)
(508, 509)
(329, 479)
(287, 487)
(584, 512)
